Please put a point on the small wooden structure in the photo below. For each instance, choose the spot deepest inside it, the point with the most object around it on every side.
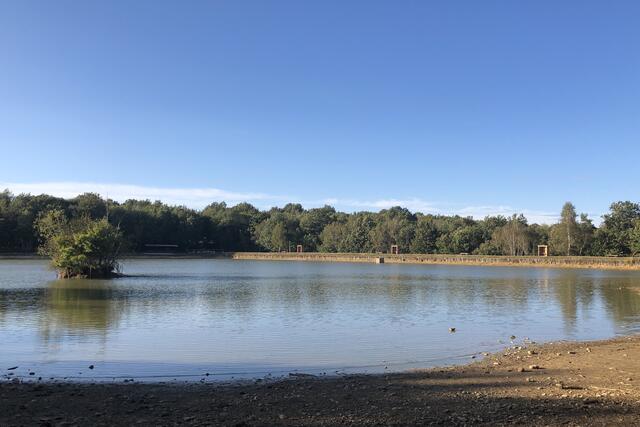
(394, 250)
(299, 249)
(543, 250)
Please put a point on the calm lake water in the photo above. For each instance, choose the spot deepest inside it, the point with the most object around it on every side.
(245, 319)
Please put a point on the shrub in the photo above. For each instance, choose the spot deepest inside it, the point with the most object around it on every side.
(82, 247)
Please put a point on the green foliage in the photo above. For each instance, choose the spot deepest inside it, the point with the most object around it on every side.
(513, 238)
(358, 230)
(490, 247)
(80, 247)
(538, 235)
(245, 228)
(348, 234)
(393, 226)
(570, 237)
(312, 223)
(635, 239)
(615, 232)
(466, 239)
(585, 235)
(228, 228)
(280, 232)
(563, 235)
(18, 214)
(425, 237)
(333, 237)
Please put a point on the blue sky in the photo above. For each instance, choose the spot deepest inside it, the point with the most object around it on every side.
(450, 107)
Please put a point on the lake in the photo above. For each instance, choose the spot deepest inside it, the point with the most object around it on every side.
(180, 319)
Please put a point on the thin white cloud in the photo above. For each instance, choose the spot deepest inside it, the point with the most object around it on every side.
(427, 207)
(533, 216)
(200, 197)
(191, 197)
(413, 204)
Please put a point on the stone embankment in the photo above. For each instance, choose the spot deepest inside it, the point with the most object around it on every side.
(617, 263)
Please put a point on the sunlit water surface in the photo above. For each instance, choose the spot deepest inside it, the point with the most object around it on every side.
(247, 319)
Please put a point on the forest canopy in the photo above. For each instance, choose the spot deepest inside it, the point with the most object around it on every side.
(243, 227)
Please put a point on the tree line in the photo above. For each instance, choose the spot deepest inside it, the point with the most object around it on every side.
(243, 227)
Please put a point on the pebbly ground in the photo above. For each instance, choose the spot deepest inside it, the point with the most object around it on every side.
(596, 383)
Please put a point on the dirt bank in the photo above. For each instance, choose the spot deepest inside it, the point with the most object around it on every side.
(594, 383)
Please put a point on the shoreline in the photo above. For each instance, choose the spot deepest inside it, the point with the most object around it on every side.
(573, 262)
(579, 383)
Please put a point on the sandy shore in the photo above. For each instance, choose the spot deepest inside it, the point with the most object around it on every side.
(595, 383)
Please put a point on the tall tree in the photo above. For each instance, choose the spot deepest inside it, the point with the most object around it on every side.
(614, 235)
(635, 239)
(425, 236)
(279, 232)
(563, 234)
(513, 238)
(332, 237)
(312, 222)
(359, 226)
(585, 234)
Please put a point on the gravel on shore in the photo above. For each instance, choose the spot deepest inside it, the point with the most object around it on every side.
(585, 383)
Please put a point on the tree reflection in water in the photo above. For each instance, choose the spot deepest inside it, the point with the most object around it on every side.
(77, 307)
(309, 313)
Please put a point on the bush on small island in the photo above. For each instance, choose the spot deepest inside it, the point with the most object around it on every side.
(81, 247)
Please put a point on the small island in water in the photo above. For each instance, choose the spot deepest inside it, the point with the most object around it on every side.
(80, 247)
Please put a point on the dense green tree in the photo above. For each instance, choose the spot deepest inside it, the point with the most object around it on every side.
(280, 232)
(395, 226)
(332, 237)
(538, 235)
(513, 237)
(312, 222)
(80, 247)
(231, 228)
(446, 227)
(88, 204)
(425, 236)
(584, 235)
(7, 222)
(358, 229)
(489, 224)
(243, 227)
(489, 247)
(19, 216)
(466, 239)
(614, 235)
(635, 239)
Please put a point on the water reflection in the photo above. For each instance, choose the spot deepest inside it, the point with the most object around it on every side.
(80, 307)
(76, 307)
(306, 314)
(622, 300)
